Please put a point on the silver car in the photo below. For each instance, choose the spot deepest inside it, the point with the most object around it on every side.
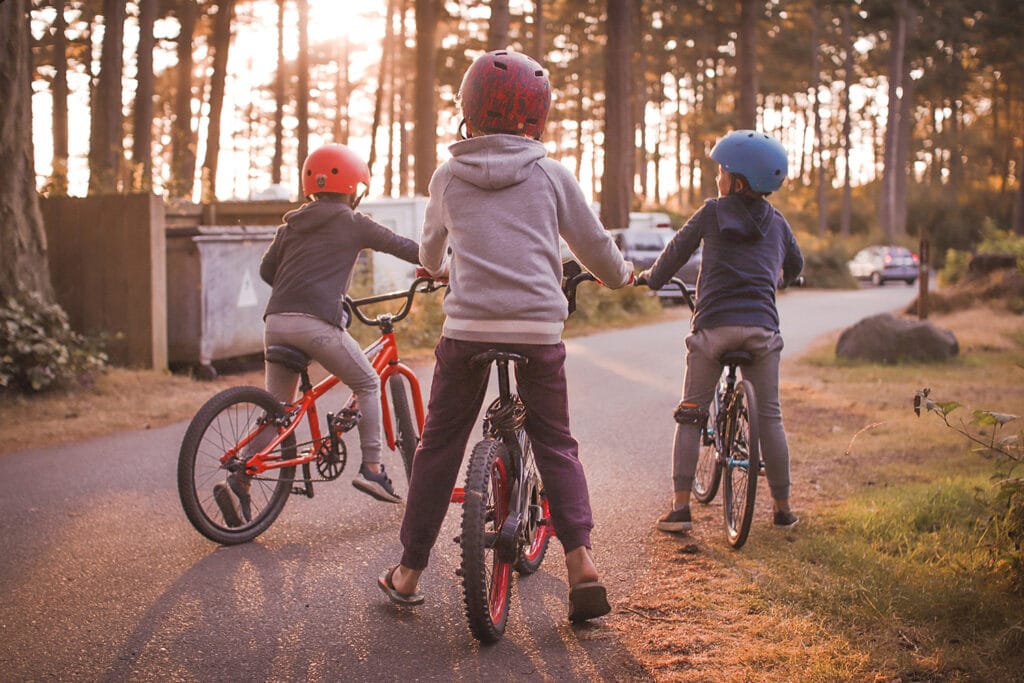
(643, 245)
(883, 263)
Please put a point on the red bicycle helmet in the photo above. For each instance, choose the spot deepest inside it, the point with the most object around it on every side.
(334, 168)
(506, 92)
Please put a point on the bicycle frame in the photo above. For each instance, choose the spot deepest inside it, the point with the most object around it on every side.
(386, 362)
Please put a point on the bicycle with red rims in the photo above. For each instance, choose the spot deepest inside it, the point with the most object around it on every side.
(244, 432)
(506, 523)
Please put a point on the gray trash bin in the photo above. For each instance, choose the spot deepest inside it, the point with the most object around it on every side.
(215, 297)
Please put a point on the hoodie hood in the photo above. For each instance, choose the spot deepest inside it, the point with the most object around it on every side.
(493, 162)
(313, 215)
(741, 219)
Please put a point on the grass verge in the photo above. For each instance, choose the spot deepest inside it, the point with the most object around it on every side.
(890, 575)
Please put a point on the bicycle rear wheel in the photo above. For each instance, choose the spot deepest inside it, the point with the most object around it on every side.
(486, 576)
(741, 465)
(538, 530)
(406, 432)
(221, 423)
(708, 474)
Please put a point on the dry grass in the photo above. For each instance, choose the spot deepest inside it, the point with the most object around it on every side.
(817, 603)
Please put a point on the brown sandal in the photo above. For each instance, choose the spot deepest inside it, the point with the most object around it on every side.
(388, 586)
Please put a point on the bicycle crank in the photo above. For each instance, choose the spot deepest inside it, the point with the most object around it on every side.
(506, 544)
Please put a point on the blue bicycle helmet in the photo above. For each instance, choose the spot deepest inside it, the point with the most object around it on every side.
(755, 156)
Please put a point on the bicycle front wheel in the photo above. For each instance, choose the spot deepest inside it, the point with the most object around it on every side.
(742, 463)
(406, 432)
(538, 530)
(486, 576)
(232, 514)
(708, 474)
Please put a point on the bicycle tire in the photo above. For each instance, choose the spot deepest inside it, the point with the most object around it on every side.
(538, 530)
(486, 577)
(708, 475)
(218, 425)
(742, 465)
(407, 435)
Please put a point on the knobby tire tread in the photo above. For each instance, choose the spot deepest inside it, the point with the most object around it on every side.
(406, 433)
(741, 480)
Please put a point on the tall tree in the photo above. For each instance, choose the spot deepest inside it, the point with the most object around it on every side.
(897, 66)
(425, 114)
(497, 32)
(23, 265)
(847, 205)
(302, 94)
(279, 94)
(221, 44)
(106, 134)
(819, 160)
(142, 118)
(746, 54)
(59, 181)
(619, 160)
(183, 146)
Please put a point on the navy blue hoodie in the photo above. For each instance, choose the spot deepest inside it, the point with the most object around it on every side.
(748, 249)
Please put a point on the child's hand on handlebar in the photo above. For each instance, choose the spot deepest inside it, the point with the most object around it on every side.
(422, 272)
(641, 278)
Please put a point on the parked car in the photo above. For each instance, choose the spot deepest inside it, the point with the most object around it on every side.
(642, 246)
(882, 263)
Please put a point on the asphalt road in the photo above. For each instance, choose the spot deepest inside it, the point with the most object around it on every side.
(102, 577)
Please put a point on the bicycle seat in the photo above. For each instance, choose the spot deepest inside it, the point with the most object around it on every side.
(288, 356)
(736, 358)
(489, 356)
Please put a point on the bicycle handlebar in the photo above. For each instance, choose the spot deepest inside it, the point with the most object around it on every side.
(687, 293)
(421, 285)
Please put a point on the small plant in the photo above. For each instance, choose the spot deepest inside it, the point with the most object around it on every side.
(985, 432)
(38, 348)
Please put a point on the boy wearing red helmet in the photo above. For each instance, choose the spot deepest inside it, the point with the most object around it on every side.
(309, 266)
(748, 244)
(492, 225)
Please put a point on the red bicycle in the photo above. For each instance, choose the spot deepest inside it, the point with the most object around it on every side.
(245, 432)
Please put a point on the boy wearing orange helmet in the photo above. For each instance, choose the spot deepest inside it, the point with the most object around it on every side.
(492, 225)
(309, 266)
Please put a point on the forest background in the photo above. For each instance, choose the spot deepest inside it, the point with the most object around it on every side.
(900, 117)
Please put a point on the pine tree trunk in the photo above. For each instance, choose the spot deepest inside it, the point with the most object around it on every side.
(302, 94)
(23, 264)
(746, 48)
(278, 161)
(425, 115)
(183, 154)
(59, 179)
(221, 45)
(142, 119)
(497, 33)
(619, 160)
(106, 139)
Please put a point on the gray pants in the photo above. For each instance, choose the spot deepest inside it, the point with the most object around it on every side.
(339, 353)
(703, 371)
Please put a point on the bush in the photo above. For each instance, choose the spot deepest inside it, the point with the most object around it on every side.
(1004, 533)
(38, 348)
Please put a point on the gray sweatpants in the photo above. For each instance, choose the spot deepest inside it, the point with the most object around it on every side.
(703, 371)
(339, 353)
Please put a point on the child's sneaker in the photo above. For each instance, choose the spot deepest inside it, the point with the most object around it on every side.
(676, 521)
(376, 484)
(784, 519)
(227, 506)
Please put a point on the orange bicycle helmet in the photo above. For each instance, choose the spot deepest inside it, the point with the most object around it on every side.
(506, 92)
(334, 168)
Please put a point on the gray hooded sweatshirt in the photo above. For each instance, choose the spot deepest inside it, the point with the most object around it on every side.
(496, 211)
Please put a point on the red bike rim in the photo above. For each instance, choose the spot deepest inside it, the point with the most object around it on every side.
(541, 537)
(501, 571)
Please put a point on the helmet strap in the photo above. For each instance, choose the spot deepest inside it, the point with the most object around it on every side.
(464, 130)
(358, 197)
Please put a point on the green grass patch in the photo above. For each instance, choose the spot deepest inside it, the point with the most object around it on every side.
(908, 567)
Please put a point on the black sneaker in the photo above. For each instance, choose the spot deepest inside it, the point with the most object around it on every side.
(676, 521)
(240, 484)
(376, 484)
(784, 519)
(226, 504)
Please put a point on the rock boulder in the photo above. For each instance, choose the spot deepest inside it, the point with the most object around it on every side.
(886, 338)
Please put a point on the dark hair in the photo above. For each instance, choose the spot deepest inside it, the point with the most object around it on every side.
(333, 197)
(746, 191)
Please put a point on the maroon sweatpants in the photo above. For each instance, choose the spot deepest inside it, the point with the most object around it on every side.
(456, 396)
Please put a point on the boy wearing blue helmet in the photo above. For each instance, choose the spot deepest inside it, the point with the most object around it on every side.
(748, 245)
